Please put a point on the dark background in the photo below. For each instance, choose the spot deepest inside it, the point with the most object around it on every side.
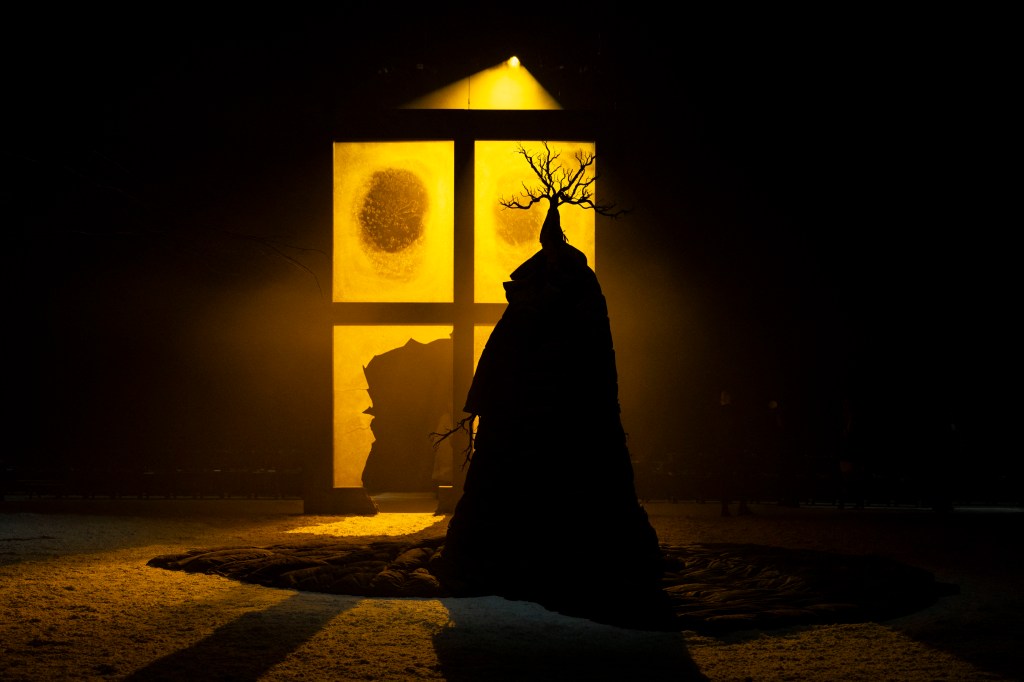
(814, 219)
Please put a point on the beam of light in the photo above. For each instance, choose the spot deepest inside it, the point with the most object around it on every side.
(393, 221)
(354, 347)
(506, 86)
(382, 524)
(505, 237)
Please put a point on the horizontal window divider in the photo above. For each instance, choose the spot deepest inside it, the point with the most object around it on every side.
(415, 313)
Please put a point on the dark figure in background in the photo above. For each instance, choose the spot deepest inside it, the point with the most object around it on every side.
(658, 479)
(734, 475)
(852, 474)
(943, 465)
(782, 456)
(550, 488)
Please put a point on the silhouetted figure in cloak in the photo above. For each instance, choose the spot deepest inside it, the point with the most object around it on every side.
(550, 511)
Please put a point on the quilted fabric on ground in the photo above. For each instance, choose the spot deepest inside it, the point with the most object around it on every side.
(710, 588)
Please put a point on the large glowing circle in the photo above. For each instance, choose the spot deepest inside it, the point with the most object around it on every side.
(391, 216)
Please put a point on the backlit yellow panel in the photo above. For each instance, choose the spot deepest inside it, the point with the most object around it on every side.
(505, 237)
(394, 221)
(480, 335)
(354, 347)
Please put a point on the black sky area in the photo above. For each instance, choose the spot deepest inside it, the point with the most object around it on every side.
(813, 218)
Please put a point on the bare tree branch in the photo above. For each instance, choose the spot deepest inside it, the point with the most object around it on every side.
(465, 425)
(559, 185)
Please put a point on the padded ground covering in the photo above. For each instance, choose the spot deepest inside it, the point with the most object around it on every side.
(712, 589)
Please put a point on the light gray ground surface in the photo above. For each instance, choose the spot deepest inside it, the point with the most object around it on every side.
(77, 601)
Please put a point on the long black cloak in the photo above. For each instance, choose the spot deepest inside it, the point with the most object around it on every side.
(551, 481)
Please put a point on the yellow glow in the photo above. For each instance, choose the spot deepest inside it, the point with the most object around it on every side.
(354, 347)
(481, 333)
(504, 238)
(393, 221)
(507, 86)
(381, 524)
(420, 177)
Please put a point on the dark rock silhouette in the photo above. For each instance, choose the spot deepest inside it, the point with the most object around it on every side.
(411, 392)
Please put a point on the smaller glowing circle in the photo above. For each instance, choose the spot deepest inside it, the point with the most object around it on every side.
(513, 61)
